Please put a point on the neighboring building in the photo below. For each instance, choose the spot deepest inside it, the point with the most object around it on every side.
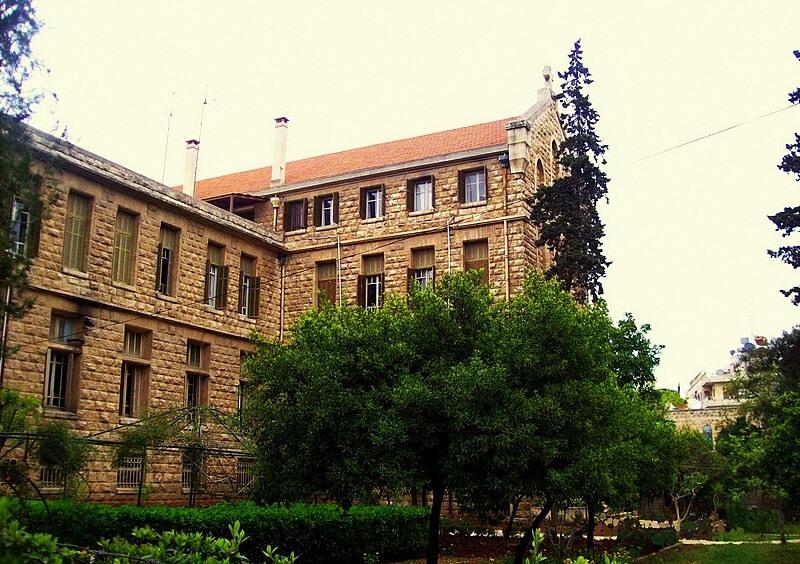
(145, 297)
(714, 390)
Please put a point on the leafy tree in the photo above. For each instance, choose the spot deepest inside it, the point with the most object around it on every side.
(695, 468)
(635, 357)
(788, 220)
(566, 211)
(19, 182)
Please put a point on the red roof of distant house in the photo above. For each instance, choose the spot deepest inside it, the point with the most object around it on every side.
(363, 158)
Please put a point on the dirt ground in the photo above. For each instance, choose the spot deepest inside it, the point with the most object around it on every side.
(459, 549)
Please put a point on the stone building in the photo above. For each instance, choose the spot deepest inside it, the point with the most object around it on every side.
(145, 296)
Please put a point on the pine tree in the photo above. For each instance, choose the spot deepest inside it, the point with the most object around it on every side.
(788, 220)
(566, 211)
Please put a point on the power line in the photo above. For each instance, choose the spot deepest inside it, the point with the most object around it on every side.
(706, 136)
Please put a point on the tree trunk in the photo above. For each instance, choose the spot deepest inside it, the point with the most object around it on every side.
(590, 527)
(519, 555)
(509, 527)
(414, 500)
(432, 551)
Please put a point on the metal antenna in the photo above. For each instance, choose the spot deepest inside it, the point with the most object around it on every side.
(200, 132)
(166, 143)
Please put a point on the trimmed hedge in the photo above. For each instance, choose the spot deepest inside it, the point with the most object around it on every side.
(317, 533)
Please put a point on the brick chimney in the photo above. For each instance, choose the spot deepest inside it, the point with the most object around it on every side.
(279, 153)
(190, 171)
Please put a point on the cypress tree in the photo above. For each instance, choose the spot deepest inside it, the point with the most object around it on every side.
(566, 211)
(788, 220)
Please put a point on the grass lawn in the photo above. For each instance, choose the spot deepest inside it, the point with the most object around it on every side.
(730, 554)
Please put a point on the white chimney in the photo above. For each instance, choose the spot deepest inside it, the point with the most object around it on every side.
(279, 154)
(190, 172)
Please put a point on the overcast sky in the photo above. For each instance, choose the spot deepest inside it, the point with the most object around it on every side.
(687, 230)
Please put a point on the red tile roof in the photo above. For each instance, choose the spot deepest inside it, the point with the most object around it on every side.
(363, 158)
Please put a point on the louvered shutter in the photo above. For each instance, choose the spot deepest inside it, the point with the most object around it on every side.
(255, 291)
(159, 252)
(222, 288)
(361, 292)
(336, 207)
(317, 211)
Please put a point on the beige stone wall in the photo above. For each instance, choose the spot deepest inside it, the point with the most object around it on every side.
(171, 320)
(697, 419)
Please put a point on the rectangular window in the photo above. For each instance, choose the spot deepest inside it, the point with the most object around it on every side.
(196, 355)
(472, 186)
(129, 473)
(249, 287)
(372, 202)
(59, 369)
(192, 470)
(294, 215)
(326, 210)
(216, 293)
(134, 376)
(327, 281)
(76, 231)
(245, 468)
(167, 260)
(64, 329)
(122, 257)
(476, 257)
(420, 194)
(51, 477)
(422, 266)
(19, 229)
(370, 283)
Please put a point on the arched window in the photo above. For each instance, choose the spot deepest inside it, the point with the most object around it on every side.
(539, 173)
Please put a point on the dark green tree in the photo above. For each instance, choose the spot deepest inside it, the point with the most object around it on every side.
(566, 211)
(635, 357)
(21, 184)
(788, 220)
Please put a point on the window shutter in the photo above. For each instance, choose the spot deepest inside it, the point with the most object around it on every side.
(410, 195)
(486, 180)
(222, 288)
(159, 251)
(304, 219)
(410, 279)
(255, 296)
(34, 229)
(383, 284)
(362, 290)
(336, 207)
(461, 186)
(362, 204)
(208, 279)
(287, 216)
(433, 192)
(317, 211)
(242, 296)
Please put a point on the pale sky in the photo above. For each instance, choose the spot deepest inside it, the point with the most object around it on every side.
(687, 231)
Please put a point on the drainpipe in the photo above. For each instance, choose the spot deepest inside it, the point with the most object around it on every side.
(504, 164)
(282, 264)
(449, 262)
(339, 266)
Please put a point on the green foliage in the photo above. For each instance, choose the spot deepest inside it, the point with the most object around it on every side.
(635, 357)
(788, 220)
(634, 536)
(669, 397)
(315, 533)
(58, 445)
(566, 211)
(536, 557)
(18, 545)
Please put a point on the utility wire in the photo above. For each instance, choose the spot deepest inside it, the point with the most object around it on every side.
(696, 139)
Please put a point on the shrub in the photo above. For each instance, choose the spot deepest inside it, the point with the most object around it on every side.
(317, 533)
(633, 535)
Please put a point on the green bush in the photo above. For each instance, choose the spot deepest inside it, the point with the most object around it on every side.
(634, 536)
(737, 515)
(316, 533)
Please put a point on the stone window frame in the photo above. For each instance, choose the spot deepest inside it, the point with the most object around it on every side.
(215, 293)
(61, 385)
(422, 266)
(326, 210)
(379, 201)
(135, 372)
(471, 262)
(327, 285)
(295, 215)
(463, 180)
(77, 229)
(123, 256)
(249, 286)
(167, 259)
(411, 193)
(371, 282)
